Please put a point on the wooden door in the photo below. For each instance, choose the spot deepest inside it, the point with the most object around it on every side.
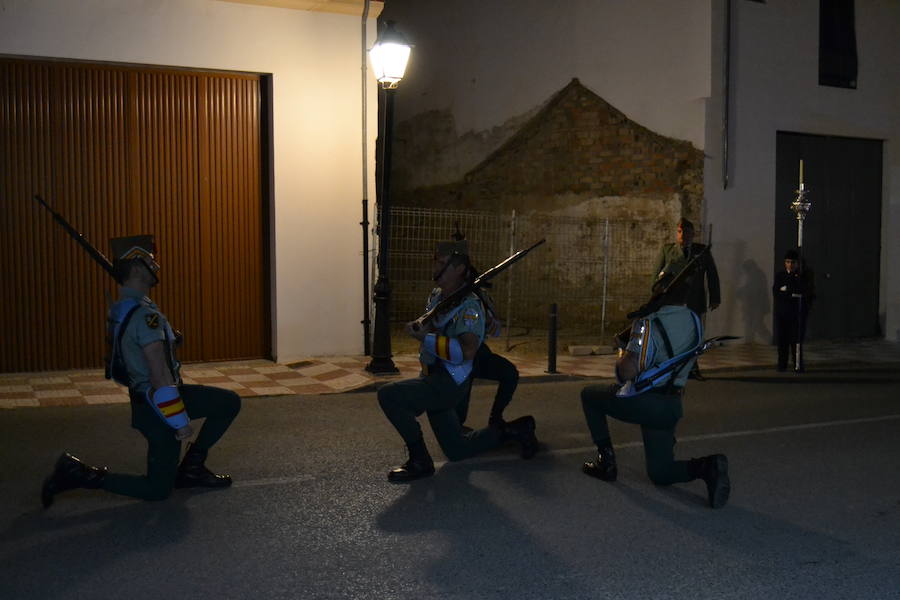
(121, 150)
(842, 232)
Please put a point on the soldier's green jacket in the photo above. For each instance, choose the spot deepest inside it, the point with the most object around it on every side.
(671, 260)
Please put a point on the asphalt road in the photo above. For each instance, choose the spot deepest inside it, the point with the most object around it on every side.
(814, 512)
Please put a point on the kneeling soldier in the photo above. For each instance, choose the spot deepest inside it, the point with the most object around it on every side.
(142, 357)
(448, 347)
(650, 396)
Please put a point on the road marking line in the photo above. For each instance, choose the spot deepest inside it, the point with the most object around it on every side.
(588, 449)
(700, 437)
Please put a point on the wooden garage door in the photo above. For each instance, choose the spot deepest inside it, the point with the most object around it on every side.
(120, 150)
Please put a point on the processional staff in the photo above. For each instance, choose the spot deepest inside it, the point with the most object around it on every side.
(800, 206)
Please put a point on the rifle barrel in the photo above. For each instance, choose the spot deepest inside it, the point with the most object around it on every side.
(95, 254)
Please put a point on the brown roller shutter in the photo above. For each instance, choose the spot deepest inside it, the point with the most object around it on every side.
(118, 151)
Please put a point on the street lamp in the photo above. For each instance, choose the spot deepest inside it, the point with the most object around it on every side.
(389, 56)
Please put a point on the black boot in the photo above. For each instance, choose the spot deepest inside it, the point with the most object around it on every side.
(521, 430)
(497, 422)
(68, 474)
(714, 471)
(604, 467)
(418, 466)
(193, 473)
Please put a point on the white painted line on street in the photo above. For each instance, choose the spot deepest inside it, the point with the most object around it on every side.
(589, 449)
(273, 481)
(695, 438)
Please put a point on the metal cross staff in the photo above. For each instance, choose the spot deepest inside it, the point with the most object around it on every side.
(800, 206)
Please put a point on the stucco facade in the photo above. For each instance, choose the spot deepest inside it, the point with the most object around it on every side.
(314, 59)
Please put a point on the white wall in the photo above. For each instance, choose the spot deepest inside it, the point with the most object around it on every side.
(775, 88)
(487, 61)
(314, 59)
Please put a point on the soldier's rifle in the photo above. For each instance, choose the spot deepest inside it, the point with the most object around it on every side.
(457, 296)
(95, 254)
(656, 300)
(702, 348)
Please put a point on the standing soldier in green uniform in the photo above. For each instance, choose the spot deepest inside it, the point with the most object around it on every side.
(675, 257)
(448, 347)
(665, 338)
(142, 358)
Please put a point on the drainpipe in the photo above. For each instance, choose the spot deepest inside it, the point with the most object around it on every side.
(366, 321)
(726, 92)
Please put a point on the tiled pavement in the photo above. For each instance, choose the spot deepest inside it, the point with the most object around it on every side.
(325, 375)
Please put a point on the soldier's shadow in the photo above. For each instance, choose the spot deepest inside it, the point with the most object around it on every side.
(481, 548)
(746, 532)
(61, 535)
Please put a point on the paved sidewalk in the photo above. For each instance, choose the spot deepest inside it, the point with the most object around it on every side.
(335, 374)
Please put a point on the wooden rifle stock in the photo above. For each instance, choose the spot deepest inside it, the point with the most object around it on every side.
(457, 296)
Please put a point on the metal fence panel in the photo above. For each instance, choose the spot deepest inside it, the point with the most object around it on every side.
(588, 265)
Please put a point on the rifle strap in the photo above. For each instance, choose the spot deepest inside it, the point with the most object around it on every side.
(668, 343)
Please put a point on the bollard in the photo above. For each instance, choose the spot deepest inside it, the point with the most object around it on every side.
(551, 341)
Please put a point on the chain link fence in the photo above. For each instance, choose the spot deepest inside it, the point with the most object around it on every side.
(588, 266)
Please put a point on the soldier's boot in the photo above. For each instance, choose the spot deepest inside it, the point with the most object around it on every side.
(192, 471)
(70, 473)
(496, 421)
(521, 430)
(714, 471)
(418, 466)
(604, 467)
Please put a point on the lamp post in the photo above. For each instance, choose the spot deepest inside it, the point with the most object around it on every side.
(389, 56)
(800, 207)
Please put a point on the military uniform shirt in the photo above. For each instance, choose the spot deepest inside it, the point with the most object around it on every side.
(148, 324)
(468, 317)
(650, 348)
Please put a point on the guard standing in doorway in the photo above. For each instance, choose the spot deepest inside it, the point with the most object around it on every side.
(793, 292)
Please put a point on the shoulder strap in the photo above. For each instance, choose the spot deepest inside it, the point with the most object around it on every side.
(669, 351)
(669, 367)
(665, 337)
(115, 353)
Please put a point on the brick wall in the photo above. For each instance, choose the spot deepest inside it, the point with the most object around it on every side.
(576, 158)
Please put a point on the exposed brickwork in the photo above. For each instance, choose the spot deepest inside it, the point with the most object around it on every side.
(574, 164)
(577, 146)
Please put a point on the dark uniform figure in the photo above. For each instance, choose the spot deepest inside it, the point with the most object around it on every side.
(673, 258)
(793, 292)
(143, 358)
(671, 332)
(449, 345)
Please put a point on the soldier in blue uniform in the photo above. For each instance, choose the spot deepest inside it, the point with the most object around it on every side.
(448, 346)
(664, 338)
(143, 358)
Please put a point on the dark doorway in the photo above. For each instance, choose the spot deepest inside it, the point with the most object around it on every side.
(841, 234)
